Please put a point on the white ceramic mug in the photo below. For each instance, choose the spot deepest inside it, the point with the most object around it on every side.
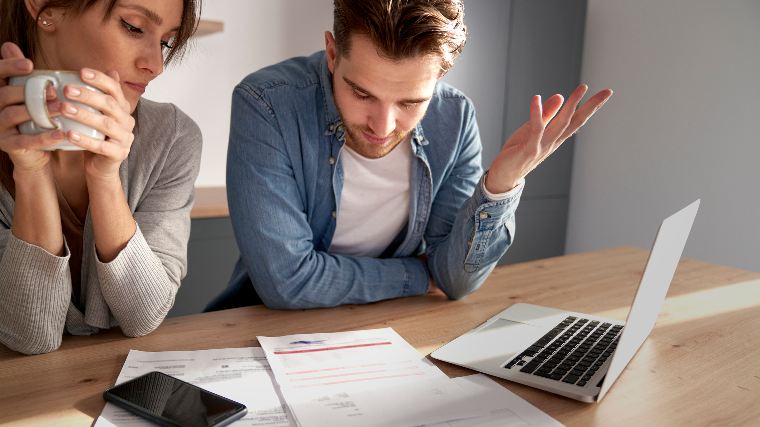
(35, 87)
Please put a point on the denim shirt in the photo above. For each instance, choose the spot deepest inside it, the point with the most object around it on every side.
(284, 181)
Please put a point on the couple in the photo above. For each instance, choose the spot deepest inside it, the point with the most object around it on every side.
(353, 175)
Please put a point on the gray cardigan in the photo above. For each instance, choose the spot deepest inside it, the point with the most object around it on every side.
(137, 288)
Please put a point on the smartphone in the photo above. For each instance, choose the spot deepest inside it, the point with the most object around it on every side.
(169, 401)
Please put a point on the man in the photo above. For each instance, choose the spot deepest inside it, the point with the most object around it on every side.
(354, 174)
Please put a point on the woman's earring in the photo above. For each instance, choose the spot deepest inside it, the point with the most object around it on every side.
(44, 22)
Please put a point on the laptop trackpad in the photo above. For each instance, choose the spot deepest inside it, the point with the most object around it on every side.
(533, 315)
(491, 345)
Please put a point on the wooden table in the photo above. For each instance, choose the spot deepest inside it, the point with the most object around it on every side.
(700, 366)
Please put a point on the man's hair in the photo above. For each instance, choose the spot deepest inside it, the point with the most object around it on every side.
(402, 29)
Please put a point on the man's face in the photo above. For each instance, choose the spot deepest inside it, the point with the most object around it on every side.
(380, 100)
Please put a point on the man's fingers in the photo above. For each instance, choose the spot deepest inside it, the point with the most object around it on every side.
(585, 112)
(536, 113)
(551, 107)
(558, 126)
(575, 98)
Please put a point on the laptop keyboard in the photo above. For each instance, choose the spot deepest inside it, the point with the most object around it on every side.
(580, 348)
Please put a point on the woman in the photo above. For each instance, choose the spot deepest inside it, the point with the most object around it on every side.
(95, 238)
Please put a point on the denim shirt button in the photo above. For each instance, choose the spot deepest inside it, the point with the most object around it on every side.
(483, 215)
(334, 215)
(331, 160)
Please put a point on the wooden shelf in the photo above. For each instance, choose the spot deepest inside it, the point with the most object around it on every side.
(210, 202)
(207, 26)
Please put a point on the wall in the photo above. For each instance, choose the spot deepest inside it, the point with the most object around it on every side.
(256, 33)
(481, 69)
(681, 125)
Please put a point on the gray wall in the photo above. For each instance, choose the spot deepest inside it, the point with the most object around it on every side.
(480, 72)
(683, 124)
(517, 49)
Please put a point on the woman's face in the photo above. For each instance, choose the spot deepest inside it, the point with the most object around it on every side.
(132, 40)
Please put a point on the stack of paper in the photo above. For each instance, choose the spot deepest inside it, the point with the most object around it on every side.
(367, 378)
(375, 378)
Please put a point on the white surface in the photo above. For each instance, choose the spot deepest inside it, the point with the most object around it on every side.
(240, 374)
(682, 125)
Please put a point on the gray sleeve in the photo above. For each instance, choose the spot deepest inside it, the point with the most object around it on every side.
(35, 292)
(139, 285)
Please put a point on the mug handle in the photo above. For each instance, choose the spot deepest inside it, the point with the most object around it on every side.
(36, 102)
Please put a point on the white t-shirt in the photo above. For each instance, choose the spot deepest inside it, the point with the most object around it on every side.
(374, 204)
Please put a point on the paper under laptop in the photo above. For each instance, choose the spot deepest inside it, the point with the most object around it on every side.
(568, 353)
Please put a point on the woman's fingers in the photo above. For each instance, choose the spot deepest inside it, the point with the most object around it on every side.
(106, 124)
(104, 103)
(14, 115)
(11, 50)
(108, 148)
(108, 84)
(22, 142)
(13, 62)
(11, 95)
(14, 67)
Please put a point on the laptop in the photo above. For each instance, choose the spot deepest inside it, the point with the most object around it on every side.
(568, 353)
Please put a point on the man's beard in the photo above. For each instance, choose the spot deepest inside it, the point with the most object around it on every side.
(357, 142)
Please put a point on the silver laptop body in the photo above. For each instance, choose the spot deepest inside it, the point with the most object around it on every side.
(524, 343)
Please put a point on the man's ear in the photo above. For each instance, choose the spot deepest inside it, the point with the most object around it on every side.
(331, 51)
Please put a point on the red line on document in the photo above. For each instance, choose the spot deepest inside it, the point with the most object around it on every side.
(311, 350)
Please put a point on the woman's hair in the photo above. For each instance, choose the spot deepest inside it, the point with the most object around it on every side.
(18, 26)
(401, 29)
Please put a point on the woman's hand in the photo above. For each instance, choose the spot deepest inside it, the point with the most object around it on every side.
(25, 151)
(103, 158)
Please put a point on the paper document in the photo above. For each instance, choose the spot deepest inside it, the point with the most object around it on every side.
(514, 411)
(376, 378)
(461, 402)
(351, 360)
(346, 379)
(240, 374)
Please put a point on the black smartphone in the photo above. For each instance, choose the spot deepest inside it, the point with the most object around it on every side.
(169, 401)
